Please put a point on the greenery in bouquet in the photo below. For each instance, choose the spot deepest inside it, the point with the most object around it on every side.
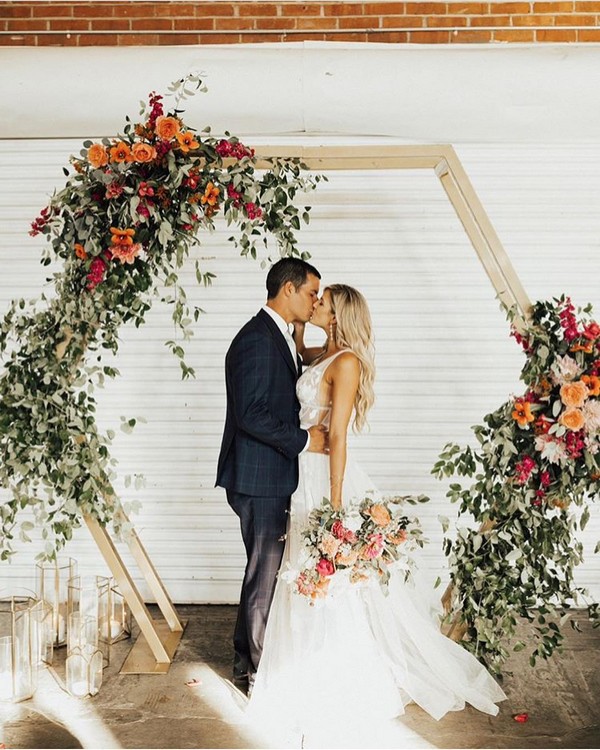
(536, 468)
(363, 539)
(119, 232)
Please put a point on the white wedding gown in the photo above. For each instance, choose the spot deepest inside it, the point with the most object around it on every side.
(357, 653)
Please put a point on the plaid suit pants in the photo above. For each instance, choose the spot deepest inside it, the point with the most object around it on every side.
(263, 522)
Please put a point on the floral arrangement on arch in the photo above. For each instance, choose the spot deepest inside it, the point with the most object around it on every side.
(119, 231)
(538, 456)
(352, 545)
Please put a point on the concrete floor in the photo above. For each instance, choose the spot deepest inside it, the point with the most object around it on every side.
(561, 697)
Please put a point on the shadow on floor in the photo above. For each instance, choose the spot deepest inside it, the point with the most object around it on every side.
(162, 711)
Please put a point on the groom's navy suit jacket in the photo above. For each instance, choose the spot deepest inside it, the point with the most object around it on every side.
(262, 437)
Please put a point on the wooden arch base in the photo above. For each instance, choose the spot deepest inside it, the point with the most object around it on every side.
(154, 650)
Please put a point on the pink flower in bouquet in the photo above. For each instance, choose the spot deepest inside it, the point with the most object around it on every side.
(545, 479)
(329, 545)
(338, 530)
(552, 450)
(373, 548)
(304, 585)
(126, 253)
(350, 537)
(568, 321)
(574, 394)
(143, 210)
(325, 567)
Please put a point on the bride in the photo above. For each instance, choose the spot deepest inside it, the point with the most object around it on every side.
(357, 653)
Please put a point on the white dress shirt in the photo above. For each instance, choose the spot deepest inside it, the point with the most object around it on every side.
(287, 334)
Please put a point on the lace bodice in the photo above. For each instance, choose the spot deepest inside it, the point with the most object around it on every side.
(308, 390)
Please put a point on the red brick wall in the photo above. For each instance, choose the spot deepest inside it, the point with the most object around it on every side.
(221, 22)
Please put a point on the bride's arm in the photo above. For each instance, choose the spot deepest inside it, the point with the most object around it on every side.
(344, 375)
(307, 354)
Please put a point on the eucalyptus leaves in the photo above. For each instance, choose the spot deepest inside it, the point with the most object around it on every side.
(538, 456)
(122, 227)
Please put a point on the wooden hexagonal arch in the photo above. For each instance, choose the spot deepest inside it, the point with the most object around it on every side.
(154, 650)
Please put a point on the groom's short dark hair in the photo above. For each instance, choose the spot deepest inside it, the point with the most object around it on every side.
(288, 269)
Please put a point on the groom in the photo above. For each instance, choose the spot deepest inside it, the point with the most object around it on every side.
(258, 463)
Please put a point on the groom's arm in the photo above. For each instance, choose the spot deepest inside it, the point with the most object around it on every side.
(248, 364)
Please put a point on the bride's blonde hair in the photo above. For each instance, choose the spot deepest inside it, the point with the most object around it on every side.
(354, 331)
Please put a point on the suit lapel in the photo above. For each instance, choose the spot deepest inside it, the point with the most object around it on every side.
(279, 339)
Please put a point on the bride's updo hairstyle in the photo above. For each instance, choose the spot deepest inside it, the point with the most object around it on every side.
(354, 331)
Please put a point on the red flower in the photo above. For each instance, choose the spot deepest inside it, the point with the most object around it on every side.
(145, 190)
(592, 331)
(253, 211)
(38, 225)
(521, 718)
(96, 273)
(338, 530)
(325, 567)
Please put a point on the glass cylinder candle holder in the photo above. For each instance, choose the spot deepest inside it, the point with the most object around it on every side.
(52, 582)
(89, 596)
(19, 652)
(84, 662)
(120, 616)
(43, 638)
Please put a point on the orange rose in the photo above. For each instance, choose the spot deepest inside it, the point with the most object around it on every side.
(398, 538)
(122, 236)
(574, 394)
(522, 413)
(120, 152)
(80, 251)
(593, 384)
(380, 514)
(144, 152)
(346, 559)
(167, 128)
(186, 142)
(572, 419)
(97, 155)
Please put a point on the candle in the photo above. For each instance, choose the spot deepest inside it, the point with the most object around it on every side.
(115, 629)
(79, 688)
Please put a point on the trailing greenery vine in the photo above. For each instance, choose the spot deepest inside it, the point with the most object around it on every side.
(120, 230)
(536, 470)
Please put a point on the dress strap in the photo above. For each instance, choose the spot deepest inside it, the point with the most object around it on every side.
(328, 360)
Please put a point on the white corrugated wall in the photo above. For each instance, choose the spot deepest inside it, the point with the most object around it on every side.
(443, 352)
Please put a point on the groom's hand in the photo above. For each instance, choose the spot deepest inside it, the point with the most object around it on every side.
(319, 439)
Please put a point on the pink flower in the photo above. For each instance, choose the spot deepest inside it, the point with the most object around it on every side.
(325, 567)
(114, 190)
(338, 530)
(235, 150)
(253, 211)
(234, 195)
(523, 469)
(545, 479)
(126, 253)
(329, 545)
(96, 273)
(374, 548)
(145, 190)
(143, 211)
(350, 537)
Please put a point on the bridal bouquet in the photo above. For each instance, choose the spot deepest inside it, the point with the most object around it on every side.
(360, 541)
